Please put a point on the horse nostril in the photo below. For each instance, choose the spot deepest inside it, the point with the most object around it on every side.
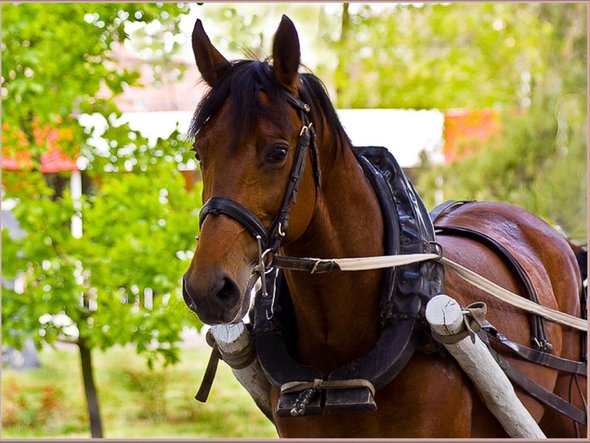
(229, 293)
(214, 301)
(187, 297)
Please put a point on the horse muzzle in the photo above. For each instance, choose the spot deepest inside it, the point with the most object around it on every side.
(216, 299)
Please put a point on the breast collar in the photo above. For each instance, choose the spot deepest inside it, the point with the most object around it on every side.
(404, 294)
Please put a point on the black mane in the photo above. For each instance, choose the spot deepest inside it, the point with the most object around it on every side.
(240, 84)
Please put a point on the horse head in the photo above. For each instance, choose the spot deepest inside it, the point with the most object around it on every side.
(247, 135)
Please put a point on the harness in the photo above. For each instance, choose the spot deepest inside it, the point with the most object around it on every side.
(404, 291)
(305, 390)
(404, 294)
(538, 332)
(270, 239)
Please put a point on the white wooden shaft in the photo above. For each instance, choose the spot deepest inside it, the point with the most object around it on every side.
(445, 318)
(252, 378)
(233, 339)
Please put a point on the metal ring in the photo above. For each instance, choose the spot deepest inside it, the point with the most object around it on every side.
(438, 249)
(267, 266)
(315, 266)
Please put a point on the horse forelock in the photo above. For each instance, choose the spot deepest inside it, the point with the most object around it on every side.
(241, 83)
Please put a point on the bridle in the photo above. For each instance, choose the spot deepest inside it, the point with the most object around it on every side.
(270, 240)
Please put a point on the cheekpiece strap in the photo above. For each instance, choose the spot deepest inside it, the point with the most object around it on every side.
(300, 104)
(304, 110)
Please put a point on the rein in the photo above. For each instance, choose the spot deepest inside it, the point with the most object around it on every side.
(316, 265)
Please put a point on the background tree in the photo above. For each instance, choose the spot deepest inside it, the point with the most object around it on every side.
(539, 158)
(431, 55)
(57, 63)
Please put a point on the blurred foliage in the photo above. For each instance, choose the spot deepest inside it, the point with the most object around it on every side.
(468, 55)
(539, 159)
(136, 236)
(139, 222)
(135, 224)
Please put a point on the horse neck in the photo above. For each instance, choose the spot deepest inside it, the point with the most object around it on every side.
(337, 313)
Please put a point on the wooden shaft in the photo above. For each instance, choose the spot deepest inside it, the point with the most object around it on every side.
(446, 318)
(232, 339)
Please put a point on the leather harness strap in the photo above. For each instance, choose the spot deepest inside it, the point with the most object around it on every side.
(314, 266)
(535, 390)
(539, 335)
(222, 205)
(535, 356)
(272, 237)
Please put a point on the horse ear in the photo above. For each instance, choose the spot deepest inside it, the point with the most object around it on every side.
(286, 53)
(212, 65)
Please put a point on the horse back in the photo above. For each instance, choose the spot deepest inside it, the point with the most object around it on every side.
(544, 254)
(550, 264)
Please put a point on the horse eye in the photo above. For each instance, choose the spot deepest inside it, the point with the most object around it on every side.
(276, 154)
(196, 151)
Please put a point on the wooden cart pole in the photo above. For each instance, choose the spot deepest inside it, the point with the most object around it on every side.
(236, 346)
(446, 319)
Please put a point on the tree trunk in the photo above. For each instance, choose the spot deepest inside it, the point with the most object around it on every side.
(341, 79)
(90, 390)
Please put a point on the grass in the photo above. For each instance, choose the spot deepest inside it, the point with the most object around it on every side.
(135, 402)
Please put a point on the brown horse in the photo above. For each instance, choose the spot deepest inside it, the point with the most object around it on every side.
(246, 133)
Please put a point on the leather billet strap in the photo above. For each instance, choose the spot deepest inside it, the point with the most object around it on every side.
(535, 390)
(272, 237)
(538, 331)
(535, 356)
